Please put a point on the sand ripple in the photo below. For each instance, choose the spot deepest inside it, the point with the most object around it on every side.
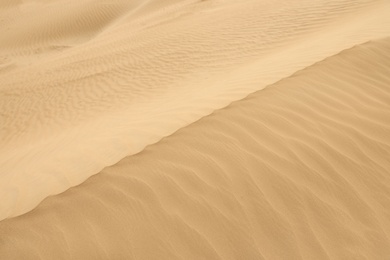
(298, 170)
(88, 83)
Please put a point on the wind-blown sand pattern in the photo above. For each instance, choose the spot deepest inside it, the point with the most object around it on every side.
(299, 169)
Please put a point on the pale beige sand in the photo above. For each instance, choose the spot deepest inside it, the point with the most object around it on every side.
(299, 170)
(86, 83)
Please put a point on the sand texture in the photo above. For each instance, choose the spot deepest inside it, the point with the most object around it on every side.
(174, 129)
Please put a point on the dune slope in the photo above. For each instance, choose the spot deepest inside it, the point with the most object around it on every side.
(83, 85)
(298, 170)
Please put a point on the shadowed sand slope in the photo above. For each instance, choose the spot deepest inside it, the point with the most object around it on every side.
(83, 85)
(299, 170)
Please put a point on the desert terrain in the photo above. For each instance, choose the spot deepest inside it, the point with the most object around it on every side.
(188, 129)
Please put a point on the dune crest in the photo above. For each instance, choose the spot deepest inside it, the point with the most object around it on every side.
(68, 115)
(298, 170)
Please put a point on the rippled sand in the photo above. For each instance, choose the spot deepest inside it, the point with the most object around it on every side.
(255, 129)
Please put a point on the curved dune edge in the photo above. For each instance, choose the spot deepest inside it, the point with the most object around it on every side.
(35, 27)
(298, 170)
(68, 117)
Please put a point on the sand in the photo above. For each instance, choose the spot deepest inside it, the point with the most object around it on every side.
(235, 130)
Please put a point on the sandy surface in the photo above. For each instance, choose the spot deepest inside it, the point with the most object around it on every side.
(255, 129)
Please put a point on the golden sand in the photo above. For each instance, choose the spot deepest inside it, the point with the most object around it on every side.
(251, 129)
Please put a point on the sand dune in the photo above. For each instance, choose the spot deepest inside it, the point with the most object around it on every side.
(36, 28)
(298, 170)
(190, 129)
(110, 79)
